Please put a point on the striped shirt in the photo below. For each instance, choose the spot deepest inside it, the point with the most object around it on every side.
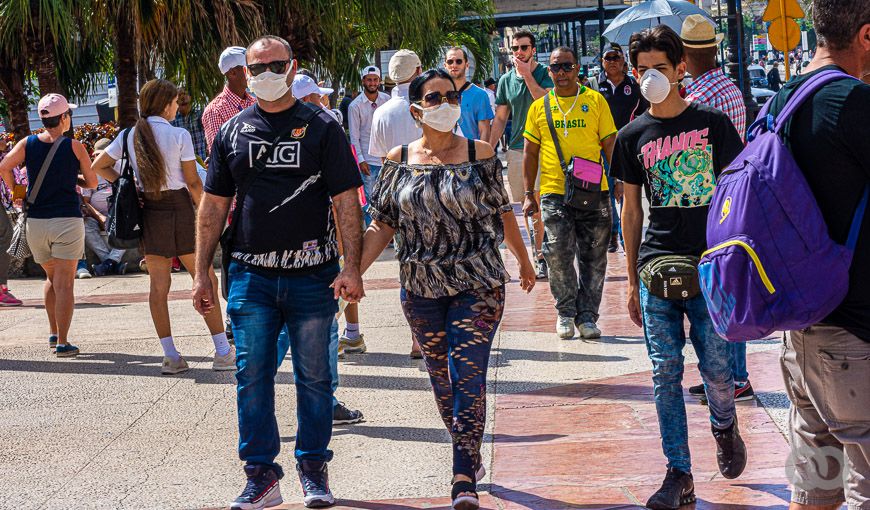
(716, 90)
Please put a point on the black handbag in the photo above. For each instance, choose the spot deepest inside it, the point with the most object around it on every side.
(579, 194)
(305, 115)
(672, 276)
(124, 223)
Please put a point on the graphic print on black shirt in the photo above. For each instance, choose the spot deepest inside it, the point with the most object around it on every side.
(828, 138)
(677, 161)
(286, 221)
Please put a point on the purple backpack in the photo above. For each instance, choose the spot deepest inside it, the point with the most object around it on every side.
(771, 265)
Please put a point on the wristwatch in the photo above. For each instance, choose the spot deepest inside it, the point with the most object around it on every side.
(529, 193)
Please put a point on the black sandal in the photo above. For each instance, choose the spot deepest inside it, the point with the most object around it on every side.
(464, 496)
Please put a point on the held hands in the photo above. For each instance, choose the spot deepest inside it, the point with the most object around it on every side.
(203, 294)
(348, 285)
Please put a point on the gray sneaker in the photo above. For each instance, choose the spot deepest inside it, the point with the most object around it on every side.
(225, 363)
(173, 366)
(355, 346)
(565, 327)
(589, 330)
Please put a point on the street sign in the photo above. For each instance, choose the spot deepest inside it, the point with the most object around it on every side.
(759, 42)
(784, 34)
(113, 96)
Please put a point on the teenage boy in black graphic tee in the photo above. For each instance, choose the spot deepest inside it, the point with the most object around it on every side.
(286, 221)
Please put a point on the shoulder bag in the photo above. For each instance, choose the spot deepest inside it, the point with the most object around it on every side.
(124, 224)
(19, 248)
(582, 176)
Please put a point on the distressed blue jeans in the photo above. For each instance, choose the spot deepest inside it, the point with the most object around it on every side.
(665, 339)
(369, 182)
(455, 335)
(259, 306)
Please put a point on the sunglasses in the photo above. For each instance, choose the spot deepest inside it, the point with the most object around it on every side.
(276, 67)
(522, 47)
(457, 61)
(613, 58)
(564, 66)
(436, 98)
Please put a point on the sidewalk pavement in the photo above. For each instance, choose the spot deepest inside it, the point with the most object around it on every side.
(570, 424)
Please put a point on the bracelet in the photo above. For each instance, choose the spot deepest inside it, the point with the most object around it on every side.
(529, 193)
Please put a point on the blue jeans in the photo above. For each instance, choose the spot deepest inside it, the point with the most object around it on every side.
(665, 339)
(284, 347)
(259, 306)
(455, 335)
(737, 351)
(369, 182)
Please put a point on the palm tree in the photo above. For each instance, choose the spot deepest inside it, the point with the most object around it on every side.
(13, 89)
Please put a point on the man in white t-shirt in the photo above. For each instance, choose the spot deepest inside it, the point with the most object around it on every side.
(95, 206)
(392, 124)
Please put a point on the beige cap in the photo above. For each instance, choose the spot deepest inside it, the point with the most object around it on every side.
(698, 32)
(403, 64)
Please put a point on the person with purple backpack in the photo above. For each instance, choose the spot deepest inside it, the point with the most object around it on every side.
(675, 150)
(808, 269)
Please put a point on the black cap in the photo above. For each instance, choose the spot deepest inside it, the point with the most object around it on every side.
(488, 82)
(614, 47)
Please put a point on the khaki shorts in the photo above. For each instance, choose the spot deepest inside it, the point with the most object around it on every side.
(827, 378)
(515, 175)
(56, 238)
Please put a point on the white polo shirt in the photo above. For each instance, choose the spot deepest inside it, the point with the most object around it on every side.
(392, 124)
(175, 145)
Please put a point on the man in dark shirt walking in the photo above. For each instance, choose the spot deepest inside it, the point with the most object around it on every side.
(284, 271)
(622, 93)
(827, 366)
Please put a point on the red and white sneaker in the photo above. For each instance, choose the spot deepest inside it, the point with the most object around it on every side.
(7, 299)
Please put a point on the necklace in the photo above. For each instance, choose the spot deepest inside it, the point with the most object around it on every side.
(565, 114)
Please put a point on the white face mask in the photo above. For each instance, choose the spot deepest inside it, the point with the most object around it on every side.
(269, 86)
(442, 117)
(655, 86)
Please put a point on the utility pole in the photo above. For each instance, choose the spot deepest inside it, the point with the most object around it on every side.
(737, 57)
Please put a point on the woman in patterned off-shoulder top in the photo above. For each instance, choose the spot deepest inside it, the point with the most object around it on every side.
(444, 197)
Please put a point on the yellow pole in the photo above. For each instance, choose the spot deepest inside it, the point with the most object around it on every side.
(785, 36)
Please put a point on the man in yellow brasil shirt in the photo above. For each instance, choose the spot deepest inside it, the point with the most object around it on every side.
(584, 126)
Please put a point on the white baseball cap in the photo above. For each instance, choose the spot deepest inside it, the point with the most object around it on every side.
(305, 86)
(370, 70)
(231, 57)
(403, 64)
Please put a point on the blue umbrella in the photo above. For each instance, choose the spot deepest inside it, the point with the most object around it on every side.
(649, 14)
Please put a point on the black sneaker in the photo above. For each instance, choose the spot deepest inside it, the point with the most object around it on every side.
(262, 489)
(315, 484)
(614, 243)
(730, 451)
(341, 415)
(677, 490)
(697, 390)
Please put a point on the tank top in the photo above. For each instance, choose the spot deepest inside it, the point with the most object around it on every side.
(57, 197)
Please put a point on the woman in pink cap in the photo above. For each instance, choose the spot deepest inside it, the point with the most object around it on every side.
(55, 229)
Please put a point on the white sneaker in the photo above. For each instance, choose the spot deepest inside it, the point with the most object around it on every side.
(352, 346)
(225, 363)
(565, 327)
(173, 366)
(82, 273)
(589, 330)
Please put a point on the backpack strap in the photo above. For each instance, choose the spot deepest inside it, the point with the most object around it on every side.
(472, 151)
(404, 154)
(804, 92)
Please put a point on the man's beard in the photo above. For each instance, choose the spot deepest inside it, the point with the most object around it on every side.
(371, 89)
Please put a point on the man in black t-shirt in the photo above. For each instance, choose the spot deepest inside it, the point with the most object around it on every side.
(827, 366)
(675, 151)
(284, 260)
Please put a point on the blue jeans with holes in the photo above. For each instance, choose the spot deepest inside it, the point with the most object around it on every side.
(259, 306)
(368, 187)
(665, 338)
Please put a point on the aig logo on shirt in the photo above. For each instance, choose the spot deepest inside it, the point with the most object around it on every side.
(284, 155)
